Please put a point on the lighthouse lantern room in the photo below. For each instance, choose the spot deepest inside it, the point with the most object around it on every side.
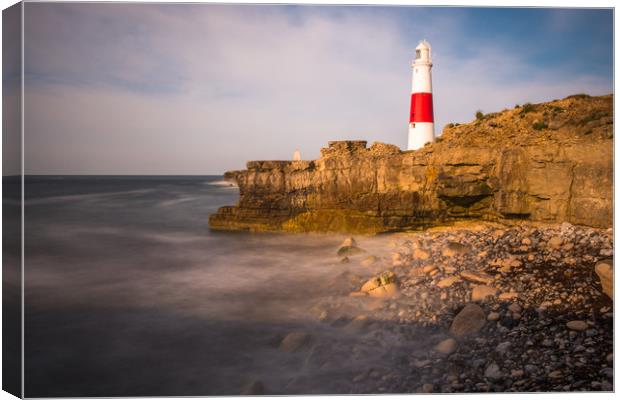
(421, 125)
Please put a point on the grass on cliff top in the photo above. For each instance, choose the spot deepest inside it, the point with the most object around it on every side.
(559, 119)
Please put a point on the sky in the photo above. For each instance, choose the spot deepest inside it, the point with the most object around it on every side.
(200, 89)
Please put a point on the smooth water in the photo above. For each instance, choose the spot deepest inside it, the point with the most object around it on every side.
(129, 293)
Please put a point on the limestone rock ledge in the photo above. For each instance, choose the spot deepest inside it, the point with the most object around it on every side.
(549, 162)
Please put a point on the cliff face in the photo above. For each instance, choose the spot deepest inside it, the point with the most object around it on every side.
(550, 162)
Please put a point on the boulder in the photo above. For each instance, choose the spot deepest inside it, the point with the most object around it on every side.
(481, 292)
(383, 285)
(605, 271)
(389, 290)
(294, 341)
(468, 321)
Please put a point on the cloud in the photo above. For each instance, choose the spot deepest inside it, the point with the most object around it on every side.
(174, 89)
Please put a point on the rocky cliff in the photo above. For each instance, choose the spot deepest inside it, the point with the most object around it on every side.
(549, 162)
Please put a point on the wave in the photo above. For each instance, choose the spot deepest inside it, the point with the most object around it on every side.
(223, 183)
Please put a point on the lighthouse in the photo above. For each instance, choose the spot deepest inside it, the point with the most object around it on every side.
(421, 126)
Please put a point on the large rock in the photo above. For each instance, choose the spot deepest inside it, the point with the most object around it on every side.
(384, 285)
(511, 173)
(605, 271)
(469, 321)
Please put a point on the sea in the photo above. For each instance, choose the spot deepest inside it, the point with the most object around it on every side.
(129, 293)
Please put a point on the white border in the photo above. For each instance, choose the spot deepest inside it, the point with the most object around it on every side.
(478, 3)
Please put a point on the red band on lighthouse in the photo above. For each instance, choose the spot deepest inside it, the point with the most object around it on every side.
(421, 107)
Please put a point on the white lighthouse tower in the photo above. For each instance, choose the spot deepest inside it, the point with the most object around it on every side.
(421, 125)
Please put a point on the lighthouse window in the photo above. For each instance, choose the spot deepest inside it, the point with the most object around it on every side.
(418, 54)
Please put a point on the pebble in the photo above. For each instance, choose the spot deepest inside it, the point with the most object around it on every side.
(493, 316)
(555, 374)
(508, 295)
(542, 269)
(447, 346)
(493, 372)
(429, 268)
(428, 388)
(516, 373)
(482, 292)
(515, 308)
(421, 363)
(503, 347)
(447, 282)
(577, 325)
(477, 277)
(294, 341)
(555, 242)
(253, 388)
(420, 254)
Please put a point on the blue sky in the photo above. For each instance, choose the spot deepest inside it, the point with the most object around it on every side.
(200, 89)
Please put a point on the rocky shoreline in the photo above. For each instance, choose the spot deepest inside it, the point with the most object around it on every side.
(478, 309)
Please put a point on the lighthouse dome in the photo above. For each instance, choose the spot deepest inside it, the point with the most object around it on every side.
(424, 45)
(423, 53)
